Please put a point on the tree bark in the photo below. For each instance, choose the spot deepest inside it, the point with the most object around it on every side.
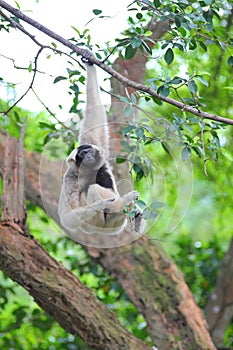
(13, 197)
(148, 276)
(219, 308)
(57, 291)
(158, 290)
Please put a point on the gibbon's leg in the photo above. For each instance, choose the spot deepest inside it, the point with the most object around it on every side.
(97, 193)
(104, 198)
(72, 219)
(94, 129)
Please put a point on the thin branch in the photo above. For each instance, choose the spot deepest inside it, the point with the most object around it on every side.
(20, 27)
(203, 147)
(31, 84)
(22, 68)
(113, 73)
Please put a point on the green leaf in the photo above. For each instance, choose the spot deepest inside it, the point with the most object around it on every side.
(44, 125)
(182, 31)
(77, 31)
(149, 214)
(75, 88)
(126, 146)
(169, 56)
(192, 86)
(128, 111)
(129, 52)
(203, 46)
(223, 45)
(59, 78)
(202, 80)
(30, 68)
(139, 15)
(230, 61)
(124, 99)
(140, 132)
(73, 72)
(192, 44)
(17, 4)
(17, 117)
(139, 172)
(186, 153)
(157, 205)
(157, 101)
(141, 203)
(133, 99)
(97, 12)
(156, 3)
(148, 33)
(127, 130)
(164, 90)
(227, 155)
(135, 42)
(51, 135)
(120, 160)
(176, 81)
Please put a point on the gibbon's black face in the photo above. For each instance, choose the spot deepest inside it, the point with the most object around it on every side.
(87, 155)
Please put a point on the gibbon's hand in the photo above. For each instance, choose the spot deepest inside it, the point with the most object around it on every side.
(86, 55)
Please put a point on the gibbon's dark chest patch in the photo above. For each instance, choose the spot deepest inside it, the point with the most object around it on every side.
(103, 178)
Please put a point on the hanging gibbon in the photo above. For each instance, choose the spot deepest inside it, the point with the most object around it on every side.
(89, 199)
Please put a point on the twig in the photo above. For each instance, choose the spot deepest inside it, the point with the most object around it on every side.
(113, 73)
(31, 84)
(203, 147)
(22, 68)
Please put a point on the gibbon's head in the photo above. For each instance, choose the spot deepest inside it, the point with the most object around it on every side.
(88, 156)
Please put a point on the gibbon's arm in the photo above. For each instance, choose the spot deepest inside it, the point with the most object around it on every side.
(94, 128)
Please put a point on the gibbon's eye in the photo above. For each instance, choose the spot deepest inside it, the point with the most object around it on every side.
(83, 153)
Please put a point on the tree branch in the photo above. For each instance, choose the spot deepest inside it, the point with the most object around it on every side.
(57, 291)
(113, 73)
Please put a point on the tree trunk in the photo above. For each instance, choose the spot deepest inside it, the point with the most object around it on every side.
(219, 308)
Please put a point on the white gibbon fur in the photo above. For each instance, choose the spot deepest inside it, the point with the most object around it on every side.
(89, 200)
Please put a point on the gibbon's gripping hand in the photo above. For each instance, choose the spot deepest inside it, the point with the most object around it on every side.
(86, 55)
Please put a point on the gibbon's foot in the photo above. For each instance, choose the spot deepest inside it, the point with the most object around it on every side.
(139, 223)
(86, 55)
(138, 212)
